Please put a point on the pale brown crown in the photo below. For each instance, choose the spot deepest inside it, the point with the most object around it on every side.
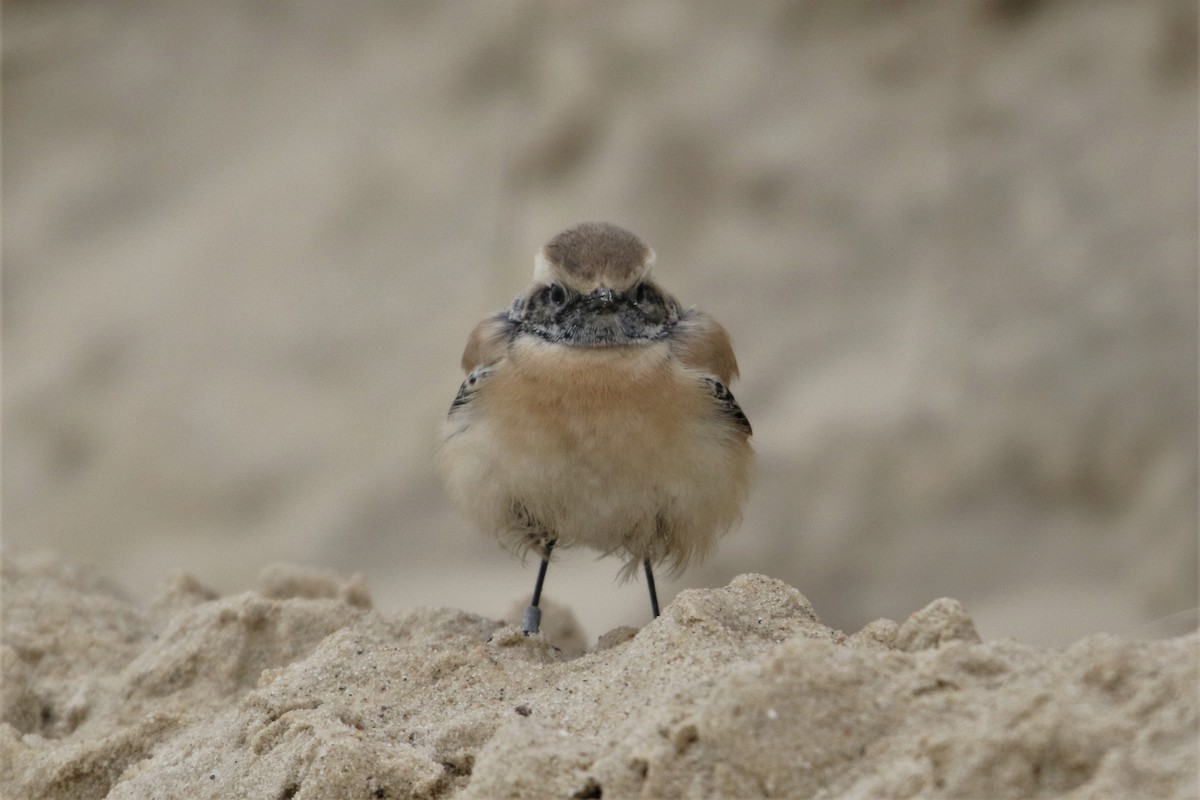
(591, 255)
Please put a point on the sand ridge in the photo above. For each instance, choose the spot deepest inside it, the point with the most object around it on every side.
(954, 243)
(300, 689)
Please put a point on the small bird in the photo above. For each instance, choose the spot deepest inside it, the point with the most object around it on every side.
(596, 412)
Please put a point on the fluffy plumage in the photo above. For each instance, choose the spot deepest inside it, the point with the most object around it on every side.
(596, 412)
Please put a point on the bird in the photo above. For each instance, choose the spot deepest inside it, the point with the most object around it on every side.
(596, 412)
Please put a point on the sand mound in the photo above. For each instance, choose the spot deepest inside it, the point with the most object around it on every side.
(300, 689)
(954, 242)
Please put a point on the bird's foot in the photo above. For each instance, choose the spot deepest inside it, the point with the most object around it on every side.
(531, 620)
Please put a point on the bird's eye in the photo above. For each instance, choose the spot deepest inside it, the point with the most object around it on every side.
(643, 295)
(557, 294)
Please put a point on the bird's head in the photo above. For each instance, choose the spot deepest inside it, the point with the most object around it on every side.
(592, 288)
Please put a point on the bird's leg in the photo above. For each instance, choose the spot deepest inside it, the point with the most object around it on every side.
(650, 585)
(531, 620)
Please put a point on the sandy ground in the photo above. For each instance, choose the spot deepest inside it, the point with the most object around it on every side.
(299, 689)
(954, 241)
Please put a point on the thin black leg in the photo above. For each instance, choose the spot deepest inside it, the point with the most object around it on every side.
(531, 620)
(650, 585)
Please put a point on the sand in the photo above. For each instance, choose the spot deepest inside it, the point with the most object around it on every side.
(954, 242)
(298, 688)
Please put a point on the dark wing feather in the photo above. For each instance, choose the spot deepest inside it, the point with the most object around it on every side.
(469, 387)
(485, 346)
(728, 405)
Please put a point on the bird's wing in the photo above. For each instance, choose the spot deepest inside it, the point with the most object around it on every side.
(729, 407)
(485, 346)
(466, 392)
(702, 344)
(487, 343)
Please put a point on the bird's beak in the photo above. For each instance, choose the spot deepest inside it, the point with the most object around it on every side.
(602, 298)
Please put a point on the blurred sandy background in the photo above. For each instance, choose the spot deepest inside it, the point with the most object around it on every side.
(955, 243)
